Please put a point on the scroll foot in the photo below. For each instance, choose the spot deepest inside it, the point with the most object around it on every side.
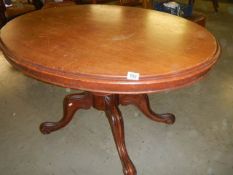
(71, 104)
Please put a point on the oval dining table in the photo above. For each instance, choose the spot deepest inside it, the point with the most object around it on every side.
(116, 55)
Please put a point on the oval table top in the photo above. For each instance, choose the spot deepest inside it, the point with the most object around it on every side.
(93, 47)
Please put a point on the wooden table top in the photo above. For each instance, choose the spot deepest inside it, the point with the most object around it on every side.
(93, 47)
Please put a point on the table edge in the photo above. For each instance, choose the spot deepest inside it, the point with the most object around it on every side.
(117, 85)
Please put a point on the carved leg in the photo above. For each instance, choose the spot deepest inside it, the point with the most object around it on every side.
(141, 101)
(116, 121)
(71, 104)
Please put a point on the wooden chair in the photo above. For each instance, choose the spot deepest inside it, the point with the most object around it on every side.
(52, 3)
(130, 2)
(215, 4)
(18, 7)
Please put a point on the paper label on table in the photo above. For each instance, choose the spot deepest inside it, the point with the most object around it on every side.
(133, 76)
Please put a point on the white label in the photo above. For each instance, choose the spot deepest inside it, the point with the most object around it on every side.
(133, 76)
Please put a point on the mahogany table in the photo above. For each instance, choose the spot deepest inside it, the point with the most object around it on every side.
(95, 47)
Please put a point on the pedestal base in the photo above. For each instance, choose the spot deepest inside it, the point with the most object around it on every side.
(109, 104)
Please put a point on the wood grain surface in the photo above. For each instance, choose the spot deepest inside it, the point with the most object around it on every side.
(92, 47)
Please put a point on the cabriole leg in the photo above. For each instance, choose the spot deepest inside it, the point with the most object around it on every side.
(71, 104)
(117, 125)
(141, 101)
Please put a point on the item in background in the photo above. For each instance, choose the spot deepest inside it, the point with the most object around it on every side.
(8, 3)
(175, 8)
(172, 7)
